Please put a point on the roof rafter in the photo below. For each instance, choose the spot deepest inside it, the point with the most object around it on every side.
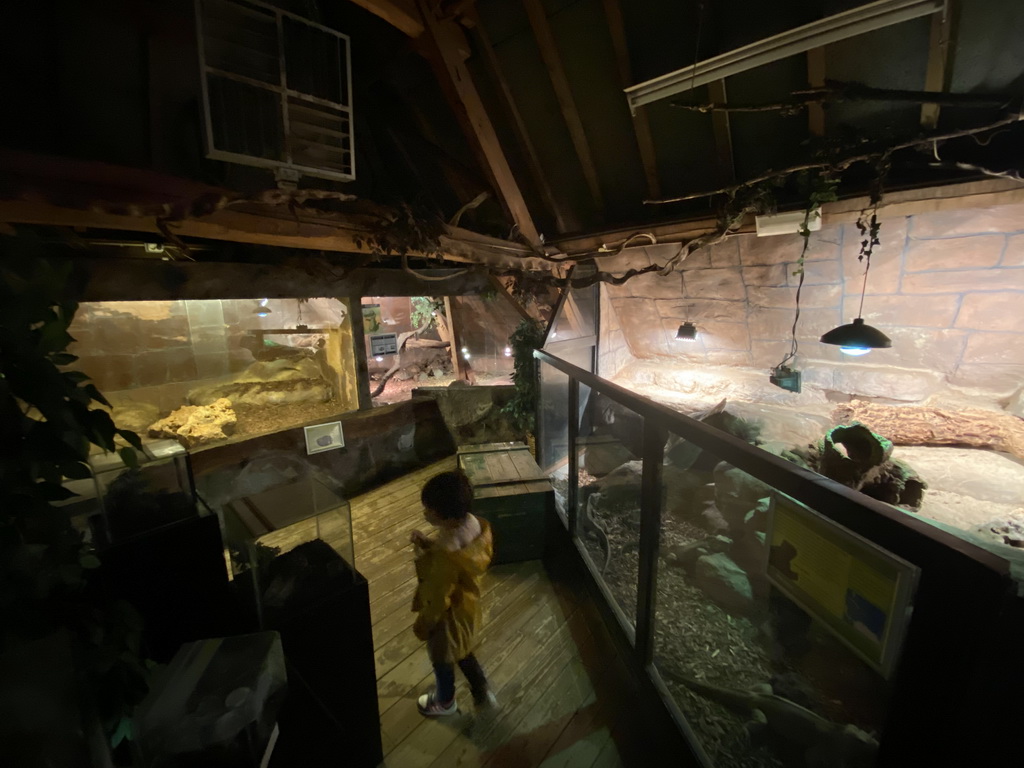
(453, 48)
(641, 125)
(553, 61)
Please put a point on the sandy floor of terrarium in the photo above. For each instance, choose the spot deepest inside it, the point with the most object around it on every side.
(396, 391)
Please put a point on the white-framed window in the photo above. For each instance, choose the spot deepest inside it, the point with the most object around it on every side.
(277, 89)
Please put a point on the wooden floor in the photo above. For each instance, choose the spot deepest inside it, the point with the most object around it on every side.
(544, 655)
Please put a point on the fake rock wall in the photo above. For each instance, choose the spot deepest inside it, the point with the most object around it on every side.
(947, 288)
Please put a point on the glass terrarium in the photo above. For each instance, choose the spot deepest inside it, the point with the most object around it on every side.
(120, 502)
(290, 545)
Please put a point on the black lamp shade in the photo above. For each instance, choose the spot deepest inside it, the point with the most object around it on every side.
(857, 335)
(687, 332)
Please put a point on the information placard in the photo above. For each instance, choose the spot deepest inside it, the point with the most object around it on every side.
(860, 591)
(384, 344)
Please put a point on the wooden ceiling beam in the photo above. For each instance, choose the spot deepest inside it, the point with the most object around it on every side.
(108, 279)
(940, 61)
(722, 131)
(325, 234)
(453, 48)
(401, 14)
(556, 72)
(565, 220)
(641, 125)
(816, 79)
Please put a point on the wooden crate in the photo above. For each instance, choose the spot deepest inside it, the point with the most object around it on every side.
(512, 494)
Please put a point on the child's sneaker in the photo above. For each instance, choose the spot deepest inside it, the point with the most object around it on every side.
(486, 703)
(431, 707)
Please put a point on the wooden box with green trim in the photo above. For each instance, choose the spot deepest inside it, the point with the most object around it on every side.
(512, 494)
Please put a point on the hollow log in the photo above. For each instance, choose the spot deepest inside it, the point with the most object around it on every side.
(914, 425)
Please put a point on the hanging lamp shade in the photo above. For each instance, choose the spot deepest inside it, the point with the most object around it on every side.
(857, 338)
(687, 332)
(262, 310)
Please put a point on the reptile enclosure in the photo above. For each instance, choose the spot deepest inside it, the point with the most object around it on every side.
(692, 642)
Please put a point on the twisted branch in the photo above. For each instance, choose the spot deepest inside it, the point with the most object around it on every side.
(841, 165)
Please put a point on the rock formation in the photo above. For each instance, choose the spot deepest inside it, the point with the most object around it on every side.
(276, 382)
(194, 425)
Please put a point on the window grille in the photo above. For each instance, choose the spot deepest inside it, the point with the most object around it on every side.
(277, 90)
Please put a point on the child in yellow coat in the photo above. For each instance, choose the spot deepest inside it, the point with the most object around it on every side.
(448, 569)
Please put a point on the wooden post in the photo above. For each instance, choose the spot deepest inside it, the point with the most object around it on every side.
(354, 307)
(816, 79)
(459, 367)
(723, 131)
(940, 60)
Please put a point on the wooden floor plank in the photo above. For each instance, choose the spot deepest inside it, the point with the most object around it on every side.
(542, 651)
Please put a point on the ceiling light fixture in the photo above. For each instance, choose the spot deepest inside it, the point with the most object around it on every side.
(841, 26)
(262, 310)
(858, 338)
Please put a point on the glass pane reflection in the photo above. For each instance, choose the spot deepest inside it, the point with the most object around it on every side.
(722, 634)
(610, 447)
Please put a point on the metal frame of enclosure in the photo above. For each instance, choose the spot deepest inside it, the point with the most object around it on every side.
(966, 611)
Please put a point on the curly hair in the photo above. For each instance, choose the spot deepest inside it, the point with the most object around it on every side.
(449, 495)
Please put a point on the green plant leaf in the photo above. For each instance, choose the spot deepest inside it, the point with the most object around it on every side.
(129, 457)
(89, 562)
(131, 438)
(74, 470)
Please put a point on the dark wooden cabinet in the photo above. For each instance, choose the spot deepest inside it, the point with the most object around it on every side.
(512, 494)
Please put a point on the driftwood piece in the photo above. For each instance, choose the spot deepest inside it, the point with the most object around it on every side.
(427, 344)
(859, 458)
(913, 425)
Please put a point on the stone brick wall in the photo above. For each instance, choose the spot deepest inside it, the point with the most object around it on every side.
(947, 288)
(156, 351)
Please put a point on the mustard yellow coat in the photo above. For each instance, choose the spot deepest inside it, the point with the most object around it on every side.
(448, 597)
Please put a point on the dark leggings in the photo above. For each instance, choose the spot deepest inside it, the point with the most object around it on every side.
(445, 675)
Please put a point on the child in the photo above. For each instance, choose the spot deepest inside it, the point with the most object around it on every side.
(447, 599)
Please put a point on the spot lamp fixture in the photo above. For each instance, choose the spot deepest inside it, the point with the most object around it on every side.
(858, 338)
(262, 310)
(687, 331)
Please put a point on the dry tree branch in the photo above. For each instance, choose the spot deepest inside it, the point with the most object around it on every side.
(1008, 174)
(840, 165)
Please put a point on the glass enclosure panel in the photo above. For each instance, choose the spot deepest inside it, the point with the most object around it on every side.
(577, 318)
(610, 450)
(723, 634)
(244, 367)
(409, 342)
(553, 432)
(287, 544)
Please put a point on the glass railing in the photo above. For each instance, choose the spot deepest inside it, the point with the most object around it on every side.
(753, 590)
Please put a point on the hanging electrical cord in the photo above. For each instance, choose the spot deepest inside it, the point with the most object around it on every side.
(783, 375)
(794, 345)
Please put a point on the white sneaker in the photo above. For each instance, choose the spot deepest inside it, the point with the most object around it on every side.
(431, 707)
